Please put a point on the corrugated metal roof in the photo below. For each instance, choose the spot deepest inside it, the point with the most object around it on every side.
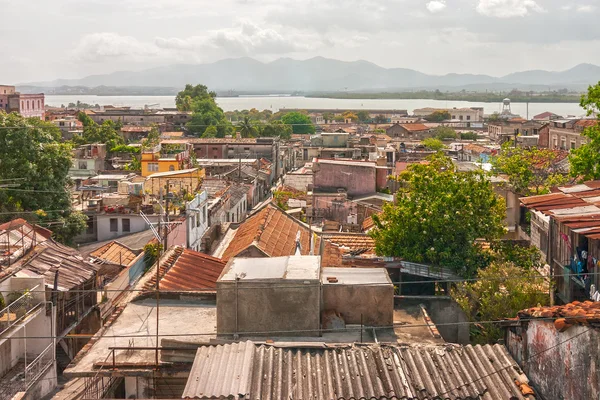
(246, 370)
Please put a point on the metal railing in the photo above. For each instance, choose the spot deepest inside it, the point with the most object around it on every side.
(37, 367)
(17, 310)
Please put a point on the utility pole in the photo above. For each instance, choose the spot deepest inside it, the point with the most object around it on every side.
(166, 232)
(158, 277)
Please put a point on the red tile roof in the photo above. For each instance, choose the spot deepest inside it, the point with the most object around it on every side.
(336, 246)
(585, 123)
(187, 270)
(415, 127)
(575, 313)
(272, 231)
(114, 253)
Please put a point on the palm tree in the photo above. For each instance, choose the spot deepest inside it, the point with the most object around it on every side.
(246, 128)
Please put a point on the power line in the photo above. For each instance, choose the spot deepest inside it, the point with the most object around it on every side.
(400, 325)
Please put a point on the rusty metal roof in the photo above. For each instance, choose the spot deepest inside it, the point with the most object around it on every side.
(49, 257)
(252, 371)
(114, 253)
(575, 313)
(187, 270)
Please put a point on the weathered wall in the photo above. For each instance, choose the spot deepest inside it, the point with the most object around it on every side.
(444, 310)
(560, 365)
(374, 303)
(298, 181)
(44, 386)
(272, 306)
(356, 179)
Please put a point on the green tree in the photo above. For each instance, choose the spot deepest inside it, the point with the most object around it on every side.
(529, 171)
(246, 128)
(328, 116)
(438, 116)
(363, 116)
(65, 227)
(380, 119)
(184, 99)
(33, 159)
(300, 123)
(585, 161)
(210, 132)
(205, 113)
(468, 136)
(439, 214)
(107, 133)
(501, 291)
(494, 117)
(444, 132)
(276, 129)
(433, 144)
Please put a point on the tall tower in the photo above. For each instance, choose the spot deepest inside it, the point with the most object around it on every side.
(506, 106)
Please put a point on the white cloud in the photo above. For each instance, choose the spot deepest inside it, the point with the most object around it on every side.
(507, 8)
(102, 45)
(247, 38)
(436, 6)
(586, 8)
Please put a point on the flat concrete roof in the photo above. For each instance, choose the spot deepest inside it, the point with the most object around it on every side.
(354, 276)
(286, 268)
(192, 320)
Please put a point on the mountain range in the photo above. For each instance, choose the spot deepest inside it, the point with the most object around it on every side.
(320, 74)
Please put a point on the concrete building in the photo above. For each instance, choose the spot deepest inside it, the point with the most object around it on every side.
(355, 177)
(473, 114)
(359, 295)
(408, 131)
(88, 161)
(168, 158)
(570, 332)
(289, 302)
(565, 134)
(335, 139)
(507, 129)
(196, 214)
(28, 105)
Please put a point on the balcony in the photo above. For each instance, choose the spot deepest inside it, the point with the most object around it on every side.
(18, 310)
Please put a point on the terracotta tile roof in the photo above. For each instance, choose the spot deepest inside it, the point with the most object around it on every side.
(336, 246)
(544, 115)
(585, 123)
(414, 127)
(187, 270)
(575, 313)
(114, 253)
(272, 231)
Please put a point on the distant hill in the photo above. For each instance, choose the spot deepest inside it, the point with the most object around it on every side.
(323, 74)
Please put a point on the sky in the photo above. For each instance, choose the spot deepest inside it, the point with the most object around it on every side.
(45, 40)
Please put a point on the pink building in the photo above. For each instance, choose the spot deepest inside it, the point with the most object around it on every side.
(28, 105)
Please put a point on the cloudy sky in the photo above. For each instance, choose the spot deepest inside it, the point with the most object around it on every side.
(44, 39)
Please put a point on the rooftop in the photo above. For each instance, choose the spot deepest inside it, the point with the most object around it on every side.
(288, 268)
(114, 253)
(338, 245)
(272, 232)
(575, 313)
(49, 257)
(355, 163)
(187, 270)
(172, 173)
(353, 276)
(191, 321)
(254, 371)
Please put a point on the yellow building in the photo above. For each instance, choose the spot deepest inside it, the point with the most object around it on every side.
(155, 160)
(187, 180)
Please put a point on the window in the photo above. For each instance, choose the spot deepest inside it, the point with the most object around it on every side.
(90, 226)
(468, 117)
(114, 225)
(555, 141)
(171, 168)
(126, 225)
(152, 167)
(460, 117)
(198, 220)
(572, 145)
(61, 123)
(39, 105)
(82, 164)
(454, 117)
(563, 143)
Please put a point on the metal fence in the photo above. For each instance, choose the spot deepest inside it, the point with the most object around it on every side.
(17, 310)
(37, 367)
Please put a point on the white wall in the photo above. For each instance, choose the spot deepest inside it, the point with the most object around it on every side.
(197, 220)
(136, 224)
